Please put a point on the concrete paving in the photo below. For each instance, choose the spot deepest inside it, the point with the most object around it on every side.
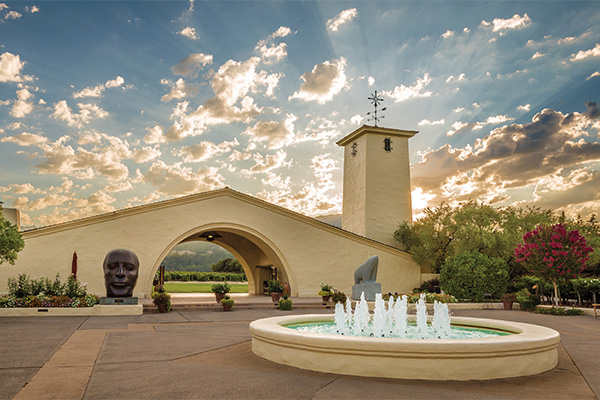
(207, 355)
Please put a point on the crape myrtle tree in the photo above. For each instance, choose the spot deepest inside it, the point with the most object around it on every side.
(554, 253)
(11, 241)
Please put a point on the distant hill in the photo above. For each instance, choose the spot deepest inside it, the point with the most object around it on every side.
(194, 256)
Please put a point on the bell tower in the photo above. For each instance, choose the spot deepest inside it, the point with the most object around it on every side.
(376, 182)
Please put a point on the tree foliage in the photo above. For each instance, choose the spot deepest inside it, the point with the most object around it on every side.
(554, 253)
(194, 256)
(469, 275)
(446, 231)
(228, 265)
(11, 242)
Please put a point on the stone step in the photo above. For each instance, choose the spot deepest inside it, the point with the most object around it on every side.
(150, 308)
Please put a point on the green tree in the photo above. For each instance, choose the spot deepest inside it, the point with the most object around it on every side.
(11, 241)
(469, 275)
(228, 265)
(446, 231)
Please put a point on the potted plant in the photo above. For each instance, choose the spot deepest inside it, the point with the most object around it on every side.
(227, 303)
(220, 290)
(326, 292)
(275, 289)
(285, 304)
(162, 300)
(338, 297)
(508, 299)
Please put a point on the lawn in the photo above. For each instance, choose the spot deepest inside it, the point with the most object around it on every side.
(201, 287)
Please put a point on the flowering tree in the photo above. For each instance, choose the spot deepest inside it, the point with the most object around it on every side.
(553, 253)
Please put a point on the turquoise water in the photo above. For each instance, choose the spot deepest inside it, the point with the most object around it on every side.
(457, 332)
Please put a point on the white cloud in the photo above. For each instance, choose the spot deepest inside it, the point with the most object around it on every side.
(13, 15)
(176, 179)
(179, 90)
(189, 33)
(323, 82)
(345, 16)
(537, 55)
(155, 135)
(428, 122)
(272, 53)
(10, 68)
(283, 31)
(416, 90)
(448, 34)
(516, 22)
(371, 81)
(22, 106)
(267, 163)
(205, 150)
(275, 134)
(525, 107)
(96, 91)
(582, 55)
(25, 139)
(192, 65)
(356, 119)
(32, 9)
(87, 112)
(595, 74)
(145, 154)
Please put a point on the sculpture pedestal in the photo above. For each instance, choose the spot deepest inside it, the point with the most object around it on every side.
(370, 289)
(117, 301)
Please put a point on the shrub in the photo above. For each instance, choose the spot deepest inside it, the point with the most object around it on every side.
(19, 287)
(559, 311)
(431, 286)
(275, 286)
(469, 275)
(429, 297)
(527, 301)
(227, 301)
(186, 276)
(338, 297)
(162, 298)
(74, 288)
(285, 304)
(53, 288)
(220, 288)
(326, 290)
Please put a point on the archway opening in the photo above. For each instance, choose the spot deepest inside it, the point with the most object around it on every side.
(261, 261)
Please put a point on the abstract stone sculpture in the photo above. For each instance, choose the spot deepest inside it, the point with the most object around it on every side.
(364, 280)
(367, 272)
(121, 268)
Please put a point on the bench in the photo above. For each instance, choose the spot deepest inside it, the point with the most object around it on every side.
(595, 306)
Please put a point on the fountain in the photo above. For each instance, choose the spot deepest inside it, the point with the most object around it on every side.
(393, 344)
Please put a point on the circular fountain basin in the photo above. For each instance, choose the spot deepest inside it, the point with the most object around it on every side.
(528, 350)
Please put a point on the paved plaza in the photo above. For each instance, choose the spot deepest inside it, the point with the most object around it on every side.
(207, 355)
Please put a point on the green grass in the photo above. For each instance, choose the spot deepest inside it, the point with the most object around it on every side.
(200, 287)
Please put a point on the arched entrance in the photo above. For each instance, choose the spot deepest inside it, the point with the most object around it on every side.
(259, 257)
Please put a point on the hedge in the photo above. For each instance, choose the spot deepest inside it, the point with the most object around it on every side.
(186, 276)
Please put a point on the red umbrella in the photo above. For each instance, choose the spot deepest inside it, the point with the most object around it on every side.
(74, 265)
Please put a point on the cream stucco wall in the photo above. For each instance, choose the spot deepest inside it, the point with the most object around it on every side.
(305, 251)
(377, 191)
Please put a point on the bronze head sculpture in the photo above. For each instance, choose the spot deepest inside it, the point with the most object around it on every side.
(121, 268)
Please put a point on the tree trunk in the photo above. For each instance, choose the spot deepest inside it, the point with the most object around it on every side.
(555, 294)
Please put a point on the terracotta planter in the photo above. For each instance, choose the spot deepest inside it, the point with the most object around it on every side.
(162, 307)
(507, 305)
(219, 297)
(325, 299)
(227, 307)
(275, 296)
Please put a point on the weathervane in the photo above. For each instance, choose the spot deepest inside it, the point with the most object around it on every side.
(375, 100)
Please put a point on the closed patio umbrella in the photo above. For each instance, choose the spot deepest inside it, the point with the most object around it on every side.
(74, 265)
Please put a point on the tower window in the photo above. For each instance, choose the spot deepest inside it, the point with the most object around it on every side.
(387, 144)
(354, 146)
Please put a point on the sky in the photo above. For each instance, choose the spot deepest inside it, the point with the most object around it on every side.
(106, 105)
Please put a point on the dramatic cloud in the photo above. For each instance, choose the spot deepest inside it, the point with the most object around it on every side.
(264, 164)
(179, 90)
(582, 55)
(177, 180)
(189, 33)
(96, 91)
(323, 82)
(283, 31)
(205, 150)
(191, 66)
(155, 135)
(525, 107)
(417, 89)
(271, 53)
(428, 122)
(10, 68)
(516, 22)
(13, 15)
(460, 127)
(87, 112)
(516, 158)
(345, 16)
(22, 106)
(274, 134)
(595, 74)
(25, 139)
